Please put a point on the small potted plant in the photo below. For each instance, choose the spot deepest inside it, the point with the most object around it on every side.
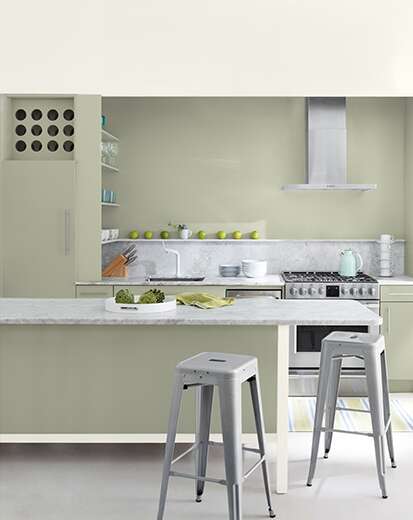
(183, 231)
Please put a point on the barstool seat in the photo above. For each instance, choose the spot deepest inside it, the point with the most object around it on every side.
(371, 349)
(226, 371)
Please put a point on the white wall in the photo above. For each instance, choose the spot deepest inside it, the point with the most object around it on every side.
(214, 47)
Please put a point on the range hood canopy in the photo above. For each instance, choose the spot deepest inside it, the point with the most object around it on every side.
(327, 147)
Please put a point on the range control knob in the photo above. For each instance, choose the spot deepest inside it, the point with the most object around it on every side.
(372, 291)
(363, 291)
(293, 291)
(302, 291)
(312, 291)
(353, 291)
(344, 291)
(321, 291)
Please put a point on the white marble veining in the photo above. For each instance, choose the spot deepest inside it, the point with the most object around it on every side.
(256, 311)
(202, 257)
(272, 280)
(395, 280)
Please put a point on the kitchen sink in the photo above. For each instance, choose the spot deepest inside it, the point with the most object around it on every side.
(175, 279)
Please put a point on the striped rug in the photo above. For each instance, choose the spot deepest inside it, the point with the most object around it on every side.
(301, 414)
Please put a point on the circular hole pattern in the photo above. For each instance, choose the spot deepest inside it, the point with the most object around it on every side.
(36, 114)
(20, 129)
(36, 146)
(52, 114)
(68, 146)
(68, 130)
(52, 130)
(36, 130)
(20, 114)
(68, 114)
(21, 146)
(52, 146)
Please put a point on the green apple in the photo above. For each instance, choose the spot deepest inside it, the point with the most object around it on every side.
(254, 235)
(134, 234)
(221, 235)
(148, 235)
(237, 235)
(201, 235)
(164, 235)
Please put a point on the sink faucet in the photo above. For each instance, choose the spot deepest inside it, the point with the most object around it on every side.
(177, 258)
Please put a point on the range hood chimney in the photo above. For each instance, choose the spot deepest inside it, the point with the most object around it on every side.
(327, 147)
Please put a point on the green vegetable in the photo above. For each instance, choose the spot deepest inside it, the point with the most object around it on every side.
(152, 296)
(124, 296)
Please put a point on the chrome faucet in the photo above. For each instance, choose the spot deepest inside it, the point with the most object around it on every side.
(177, 258)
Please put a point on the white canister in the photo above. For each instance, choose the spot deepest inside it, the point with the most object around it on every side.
(254, 268)
(185, 233)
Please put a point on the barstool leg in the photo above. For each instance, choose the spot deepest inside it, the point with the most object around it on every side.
(204, 406)
(386, 406)
(332, 394)
(231, 419)
(170, 442)
(323, 378)
(375, 393)
(259, 424)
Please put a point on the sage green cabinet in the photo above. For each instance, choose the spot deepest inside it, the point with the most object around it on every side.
(172, 290)
(38, 213)
(396, 309)
(94, 291)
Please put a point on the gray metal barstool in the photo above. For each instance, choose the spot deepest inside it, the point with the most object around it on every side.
(370, 348)
(227, 372)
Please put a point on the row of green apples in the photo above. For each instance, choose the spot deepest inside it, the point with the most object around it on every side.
(201, 235)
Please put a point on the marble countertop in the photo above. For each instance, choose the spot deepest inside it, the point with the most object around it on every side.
(255, 311)
(270, 280)
(395, 280)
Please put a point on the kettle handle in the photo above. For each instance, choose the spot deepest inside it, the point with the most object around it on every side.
(360, 262)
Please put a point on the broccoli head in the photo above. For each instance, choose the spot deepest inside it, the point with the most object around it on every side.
(148, 297)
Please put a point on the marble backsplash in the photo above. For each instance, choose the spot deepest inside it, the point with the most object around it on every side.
(203, 257)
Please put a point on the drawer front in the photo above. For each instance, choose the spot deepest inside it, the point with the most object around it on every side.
(396, 293)
(94, 291)
(172, 290)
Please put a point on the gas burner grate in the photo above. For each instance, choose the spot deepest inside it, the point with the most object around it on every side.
(325, 277)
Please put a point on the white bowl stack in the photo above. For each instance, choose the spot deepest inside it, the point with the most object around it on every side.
(254, 268)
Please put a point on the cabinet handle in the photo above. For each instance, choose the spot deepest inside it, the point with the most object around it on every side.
(67, 232)
(388, 320)
(401, 294)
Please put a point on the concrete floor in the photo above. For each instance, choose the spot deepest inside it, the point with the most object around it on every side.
(121, 482)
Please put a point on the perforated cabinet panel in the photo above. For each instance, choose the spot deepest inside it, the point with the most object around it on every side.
(43, 128)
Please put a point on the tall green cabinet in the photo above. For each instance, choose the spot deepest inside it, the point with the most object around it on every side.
(50, 186)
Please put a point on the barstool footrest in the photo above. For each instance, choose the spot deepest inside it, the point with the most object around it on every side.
(223, 482)
(366, 434)
(343, 409)
(185, 453)
(253, 468)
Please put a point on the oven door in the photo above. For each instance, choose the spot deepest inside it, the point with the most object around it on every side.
(305, 342)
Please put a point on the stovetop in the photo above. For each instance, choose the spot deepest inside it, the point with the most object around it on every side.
(325, 277)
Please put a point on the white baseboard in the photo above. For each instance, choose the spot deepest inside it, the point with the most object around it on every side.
(100, 438)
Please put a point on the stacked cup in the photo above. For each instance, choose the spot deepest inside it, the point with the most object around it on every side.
(386, 242)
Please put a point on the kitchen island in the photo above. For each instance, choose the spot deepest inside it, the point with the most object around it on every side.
(72, 372)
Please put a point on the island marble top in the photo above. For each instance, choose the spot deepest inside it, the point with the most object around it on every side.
(254, 311)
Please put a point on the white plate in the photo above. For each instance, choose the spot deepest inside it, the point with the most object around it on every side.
(133, 308)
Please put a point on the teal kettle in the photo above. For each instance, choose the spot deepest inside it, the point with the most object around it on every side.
(350, 263)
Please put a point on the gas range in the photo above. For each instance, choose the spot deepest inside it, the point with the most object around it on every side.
(329, 284)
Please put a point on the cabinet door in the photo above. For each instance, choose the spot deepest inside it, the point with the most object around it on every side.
(94, 291)
(38, 218)
(172, 290)
(397, 328)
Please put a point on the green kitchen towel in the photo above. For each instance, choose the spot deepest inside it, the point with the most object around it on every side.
(203, 300)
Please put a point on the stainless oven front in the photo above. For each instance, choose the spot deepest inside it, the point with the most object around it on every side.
(305, 342)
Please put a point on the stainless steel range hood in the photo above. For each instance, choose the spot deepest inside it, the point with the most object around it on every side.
(327, 147)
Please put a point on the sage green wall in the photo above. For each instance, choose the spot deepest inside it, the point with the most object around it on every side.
(222, 160)
(409, 187)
